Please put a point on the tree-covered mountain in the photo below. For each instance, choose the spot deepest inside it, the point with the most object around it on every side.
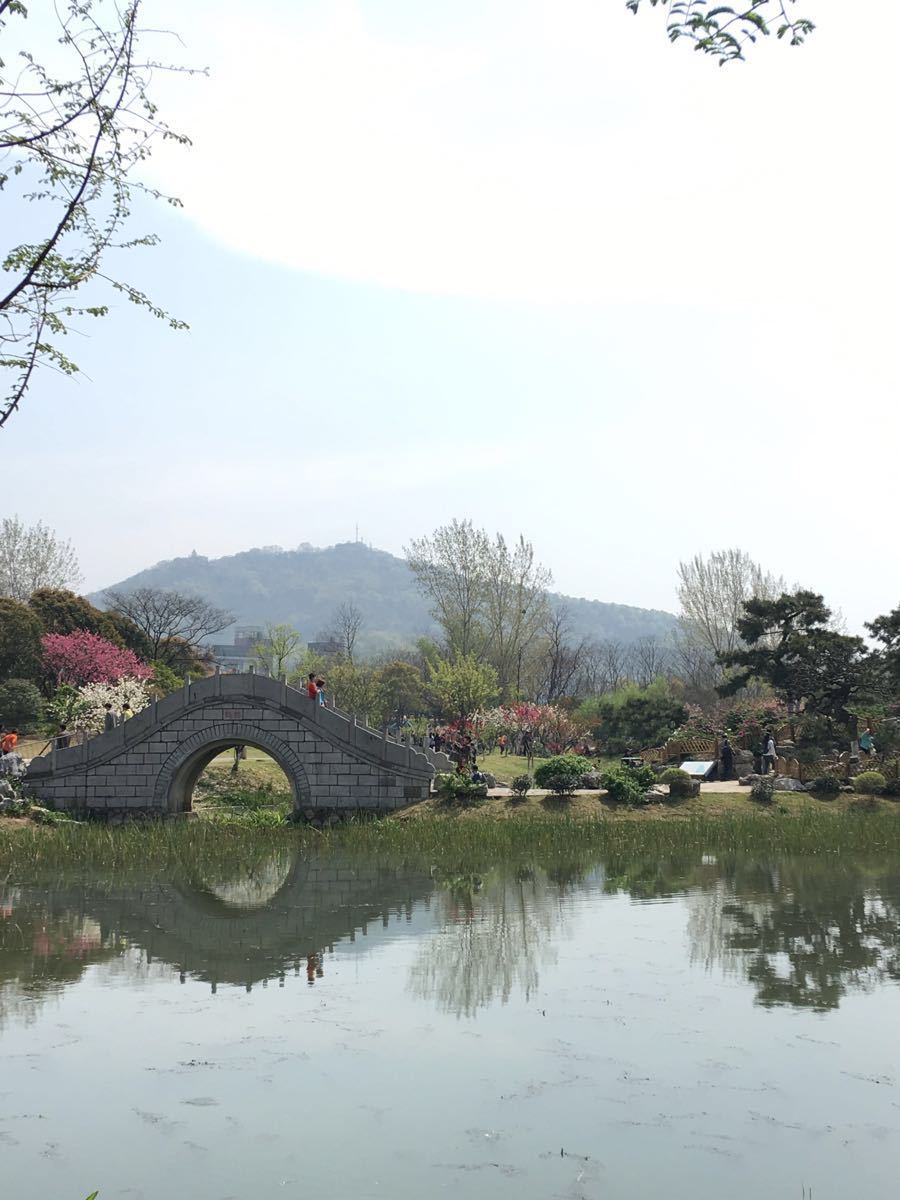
(305, 586)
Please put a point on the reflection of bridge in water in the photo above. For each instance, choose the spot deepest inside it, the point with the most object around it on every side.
(238, 929)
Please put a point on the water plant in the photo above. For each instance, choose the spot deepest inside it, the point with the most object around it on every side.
(211, 844)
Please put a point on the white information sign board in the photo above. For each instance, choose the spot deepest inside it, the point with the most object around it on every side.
(698, 770)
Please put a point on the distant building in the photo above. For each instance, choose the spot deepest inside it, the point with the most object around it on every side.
(327, 648)
(239, 656)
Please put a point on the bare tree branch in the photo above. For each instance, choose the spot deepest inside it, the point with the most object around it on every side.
(168, 618)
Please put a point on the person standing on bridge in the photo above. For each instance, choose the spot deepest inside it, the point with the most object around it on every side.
(320, 688)
(109, 718)
(311, 689)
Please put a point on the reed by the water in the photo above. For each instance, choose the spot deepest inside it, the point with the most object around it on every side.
(25, 850)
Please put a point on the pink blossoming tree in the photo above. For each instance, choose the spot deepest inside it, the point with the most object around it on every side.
(81, 657)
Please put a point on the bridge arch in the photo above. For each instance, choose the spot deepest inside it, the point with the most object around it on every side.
(178, 775)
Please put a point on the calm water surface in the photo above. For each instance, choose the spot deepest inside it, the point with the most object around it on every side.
(351, 1028)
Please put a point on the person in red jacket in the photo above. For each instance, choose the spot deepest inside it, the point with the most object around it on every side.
(312, 689)
(9, 742)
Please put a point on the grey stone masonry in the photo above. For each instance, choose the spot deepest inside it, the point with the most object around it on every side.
(149, 765)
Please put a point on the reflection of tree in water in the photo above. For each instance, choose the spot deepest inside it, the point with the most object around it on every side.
(804, 931)
(494, 937)
(42, 949)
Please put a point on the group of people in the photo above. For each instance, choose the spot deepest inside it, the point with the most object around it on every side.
(521, 743)
(111, 718)
(769, 752)
(768, 756)
(315, 688)
(462, 750)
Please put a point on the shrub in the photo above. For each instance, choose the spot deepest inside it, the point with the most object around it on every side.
(644, 776)
(892, 789)
(826, 784)
(521, 786)
(626, 785)
(870, 783)
(562, 773)
(459, 789)
(20, 704)
(763, 791)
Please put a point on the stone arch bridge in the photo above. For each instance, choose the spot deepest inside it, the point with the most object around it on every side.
(149, 764)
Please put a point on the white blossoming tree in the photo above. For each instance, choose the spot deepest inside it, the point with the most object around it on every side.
(90, 711)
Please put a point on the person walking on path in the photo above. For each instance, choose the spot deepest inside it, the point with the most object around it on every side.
(727, 756)
(770, 753)
(9, 742)
(320, 689)
(311, 689)
(866, 744)
(109, 718)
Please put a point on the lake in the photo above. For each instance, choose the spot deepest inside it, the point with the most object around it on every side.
(286, 1023)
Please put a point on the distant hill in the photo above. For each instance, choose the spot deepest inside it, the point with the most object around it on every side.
(304, 587)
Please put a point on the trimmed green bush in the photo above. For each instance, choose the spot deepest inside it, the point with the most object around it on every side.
(680, 783)
(869, 783)
(670, 774)
(562, 773)
(521, 786)
(892, 789)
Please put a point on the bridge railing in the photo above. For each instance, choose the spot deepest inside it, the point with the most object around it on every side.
(250, 687)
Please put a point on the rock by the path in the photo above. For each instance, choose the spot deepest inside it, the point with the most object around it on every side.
(655, 794)
(784, 783)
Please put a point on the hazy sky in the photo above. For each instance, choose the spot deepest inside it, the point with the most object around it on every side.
(517, 260)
